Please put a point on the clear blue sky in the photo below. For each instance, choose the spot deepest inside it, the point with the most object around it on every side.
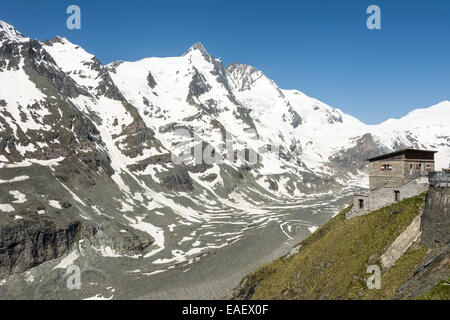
(321, 47)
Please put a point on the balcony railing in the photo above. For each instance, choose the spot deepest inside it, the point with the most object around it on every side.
(439, 178)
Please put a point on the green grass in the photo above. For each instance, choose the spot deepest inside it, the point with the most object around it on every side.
(394, 278)
(441, 291)
(332, 262)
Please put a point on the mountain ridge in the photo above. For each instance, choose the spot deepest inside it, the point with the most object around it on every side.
(91, 151)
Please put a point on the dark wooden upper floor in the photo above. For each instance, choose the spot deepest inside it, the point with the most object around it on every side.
(406, 154)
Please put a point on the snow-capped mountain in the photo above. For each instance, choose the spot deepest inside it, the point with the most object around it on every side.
(10, 34)
(87, 151)
(323, 134)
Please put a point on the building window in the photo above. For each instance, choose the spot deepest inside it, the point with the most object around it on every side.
(428, 167)
(361, 203)
(410, 169)
(397, 195)
(386, 167)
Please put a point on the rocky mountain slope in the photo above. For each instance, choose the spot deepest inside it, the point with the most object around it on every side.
(95, 157)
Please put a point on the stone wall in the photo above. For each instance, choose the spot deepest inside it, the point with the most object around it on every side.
(436, 217)
(364, 198)
(418, 168)
(402, 171)
(357, 211)
(378, 177)
(383, 197)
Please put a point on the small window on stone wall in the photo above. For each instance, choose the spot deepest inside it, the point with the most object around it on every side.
(386, 167)
(361, 203)
(397, 195)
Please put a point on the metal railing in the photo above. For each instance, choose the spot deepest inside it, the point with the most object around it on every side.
(439, 178)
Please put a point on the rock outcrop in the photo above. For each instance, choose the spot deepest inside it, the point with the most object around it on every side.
(433, 269)
(28, 243)
(435, 226)
(435, 220)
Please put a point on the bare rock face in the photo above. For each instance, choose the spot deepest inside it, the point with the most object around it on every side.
(355, 157)
(151, 80)
(433, 269)
(435, 226)
(28, 243)
(245, 290)
(436, 217)
(197, 87)
(178, 180)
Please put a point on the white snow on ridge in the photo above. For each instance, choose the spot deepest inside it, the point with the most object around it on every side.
(19, 93)
(72, 59)
(436, 115)
(171, 74)
(167, 101)
(9, 33)
(322, 131)
(325, 130)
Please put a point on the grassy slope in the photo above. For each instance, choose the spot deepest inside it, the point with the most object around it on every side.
(332, 262)
(441, 291)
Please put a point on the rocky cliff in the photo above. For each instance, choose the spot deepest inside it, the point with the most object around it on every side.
(27, 244)
(435, 220)
(435, 228)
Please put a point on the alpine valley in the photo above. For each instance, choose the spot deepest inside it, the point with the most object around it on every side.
(87, 176)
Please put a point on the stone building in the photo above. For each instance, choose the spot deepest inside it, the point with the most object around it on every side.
(393, 177)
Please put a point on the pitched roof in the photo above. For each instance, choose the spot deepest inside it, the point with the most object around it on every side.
(397, 153)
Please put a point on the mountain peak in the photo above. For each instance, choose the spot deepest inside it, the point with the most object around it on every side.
(58, 40)
(9, 33)
(198, 47)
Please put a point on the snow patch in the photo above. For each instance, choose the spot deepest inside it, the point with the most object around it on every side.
(6, 208)
(68, 260)
(20, 197)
